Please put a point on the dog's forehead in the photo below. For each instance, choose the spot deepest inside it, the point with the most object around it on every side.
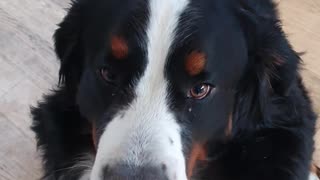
(206, 36)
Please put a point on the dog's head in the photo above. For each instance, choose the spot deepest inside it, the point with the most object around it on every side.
(161, 80)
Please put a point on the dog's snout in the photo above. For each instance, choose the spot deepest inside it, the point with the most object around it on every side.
(128, 172)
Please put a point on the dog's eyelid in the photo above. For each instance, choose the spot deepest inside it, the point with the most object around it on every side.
(107, 76)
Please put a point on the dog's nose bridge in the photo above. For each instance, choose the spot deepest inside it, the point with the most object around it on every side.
(144, 134)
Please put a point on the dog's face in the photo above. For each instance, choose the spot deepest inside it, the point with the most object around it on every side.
(156, 78)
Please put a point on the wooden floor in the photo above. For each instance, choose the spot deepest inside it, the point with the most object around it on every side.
(28, 68)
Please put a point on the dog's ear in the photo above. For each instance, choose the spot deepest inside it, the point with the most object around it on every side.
(68, 46)
(273, 64)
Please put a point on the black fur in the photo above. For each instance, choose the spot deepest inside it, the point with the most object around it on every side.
(273, 120)
(63, 135)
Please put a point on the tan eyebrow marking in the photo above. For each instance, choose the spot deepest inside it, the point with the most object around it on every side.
(119, 47)
(195, 63)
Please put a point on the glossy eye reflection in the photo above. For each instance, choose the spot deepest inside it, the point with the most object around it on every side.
(200, 91)
(107, 75)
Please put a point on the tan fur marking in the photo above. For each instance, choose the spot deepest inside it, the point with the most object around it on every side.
(229, 127)
(315, 170)
(195, 63)
(94, 135)
(198, 153)
(278, 60)
(119, 47)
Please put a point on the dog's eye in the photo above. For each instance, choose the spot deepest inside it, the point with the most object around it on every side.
(200, 91)
(107, 75)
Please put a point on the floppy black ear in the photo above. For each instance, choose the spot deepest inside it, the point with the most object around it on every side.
(275, 61)
(68, 46)
(273, 64)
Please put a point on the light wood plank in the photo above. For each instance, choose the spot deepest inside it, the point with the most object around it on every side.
(301, 20)
(28, 68)
(18, 158)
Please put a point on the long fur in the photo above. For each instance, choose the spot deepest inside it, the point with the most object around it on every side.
(273, 120)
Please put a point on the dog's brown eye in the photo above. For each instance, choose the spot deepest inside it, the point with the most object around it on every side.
(200, 91)
(107, 75)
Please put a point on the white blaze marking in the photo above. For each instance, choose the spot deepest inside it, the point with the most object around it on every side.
(142, 136)
(313, 177)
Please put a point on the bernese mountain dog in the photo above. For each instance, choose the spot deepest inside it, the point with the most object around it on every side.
(175, 90)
